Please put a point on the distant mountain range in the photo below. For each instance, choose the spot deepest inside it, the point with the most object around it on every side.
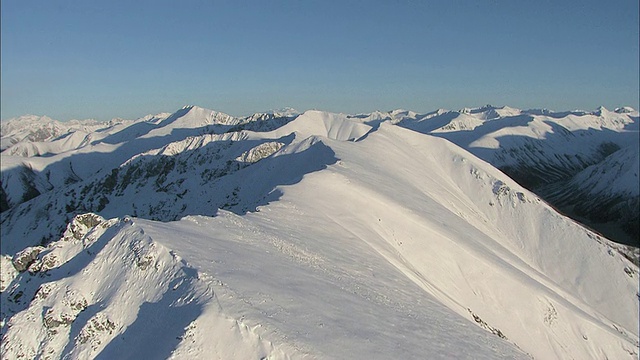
(321, 235)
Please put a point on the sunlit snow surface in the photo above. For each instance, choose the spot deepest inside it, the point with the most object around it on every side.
(350, 238)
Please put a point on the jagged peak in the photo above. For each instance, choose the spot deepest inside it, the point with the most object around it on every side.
(489, 112)
(603, 112)
(600, 111)
(272, 114)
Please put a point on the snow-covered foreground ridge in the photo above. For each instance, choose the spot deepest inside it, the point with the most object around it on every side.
(107, 290)
(312, 236)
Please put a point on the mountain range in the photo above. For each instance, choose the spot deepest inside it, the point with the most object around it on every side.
(321, 235)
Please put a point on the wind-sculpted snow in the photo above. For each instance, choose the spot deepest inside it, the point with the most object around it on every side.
(320, 236)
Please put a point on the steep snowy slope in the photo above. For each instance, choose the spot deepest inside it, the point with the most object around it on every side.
(614, 176)
(545, 150)
(345, 237)
(611, 187)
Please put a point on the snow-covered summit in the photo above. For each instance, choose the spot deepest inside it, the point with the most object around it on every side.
(625, 110)
(330, 125)
(191, 117)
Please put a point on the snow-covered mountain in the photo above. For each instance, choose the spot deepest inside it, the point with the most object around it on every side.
(606, 192)
(549, 153)
(38, 135)
(60, 161)
(31, 143)
(316, 235)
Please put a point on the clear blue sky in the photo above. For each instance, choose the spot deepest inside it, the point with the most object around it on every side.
(105, 59)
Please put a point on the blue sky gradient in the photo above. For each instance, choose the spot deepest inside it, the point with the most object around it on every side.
(105, 59)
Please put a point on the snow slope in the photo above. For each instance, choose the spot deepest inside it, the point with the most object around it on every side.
(617, 175)
(543, 145)
(331, 236)
(545, 151)
(610, 187)
(160, 316)
(29, 128)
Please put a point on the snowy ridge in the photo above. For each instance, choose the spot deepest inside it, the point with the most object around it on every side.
(162, 184)
(63, 160)
(72, 141)
(320, 236)
(29, 128)
(191, 117)
(333, 126)
(543, 150)
(190, 144)
(30, 168)
(509, 200)
(175, 315)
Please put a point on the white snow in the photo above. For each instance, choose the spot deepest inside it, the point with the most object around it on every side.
(333, 126)
(617, 174)
(351, 237)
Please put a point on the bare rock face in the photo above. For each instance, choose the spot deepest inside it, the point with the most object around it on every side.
(81, 224)
(26, 257)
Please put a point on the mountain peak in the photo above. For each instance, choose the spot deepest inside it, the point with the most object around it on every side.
(624, 110)
(201, 115)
